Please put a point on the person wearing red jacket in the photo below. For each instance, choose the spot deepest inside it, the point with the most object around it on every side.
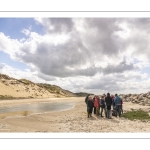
(96, 105)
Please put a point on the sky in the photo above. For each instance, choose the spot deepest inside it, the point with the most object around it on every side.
(93, 55)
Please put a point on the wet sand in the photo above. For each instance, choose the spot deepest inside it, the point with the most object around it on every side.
(73, 120)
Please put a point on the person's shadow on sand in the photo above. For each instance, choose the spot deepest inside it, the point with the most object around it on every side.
(112, 120)
(106, 119)
(92, 118)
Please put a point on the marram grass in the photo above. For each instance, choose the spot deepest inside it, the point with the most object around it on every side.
(136, 114)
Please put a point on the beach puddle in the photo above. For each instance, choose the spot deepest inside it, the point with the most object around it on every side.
(36, 108)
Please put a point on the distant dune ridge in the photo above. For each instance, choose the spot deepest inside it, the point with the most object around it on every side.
(11, 88)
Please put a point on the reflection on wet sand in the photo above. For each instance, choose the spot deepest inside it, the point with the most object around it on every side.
(28, 109)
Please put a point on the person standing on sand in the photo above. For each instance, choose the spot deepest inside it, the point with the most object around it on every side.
(99, 101)
(108, 101)
(121, 106)
(93, 102)
(100, 98)
(86, 99)
(96, 105)
(118, 105)
(102, 105)
(90, 106)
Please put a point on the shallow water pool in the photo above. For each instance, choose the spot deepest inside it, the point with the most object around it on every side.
(37, 107)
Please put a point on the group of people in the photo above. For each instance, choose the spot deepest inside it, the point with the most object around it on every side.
(110, 105)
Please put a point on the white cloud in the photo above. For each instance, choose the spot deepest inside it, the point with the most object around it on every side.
(125, 33)
(10, 46)
(27, 74)
(85, 54)
(143, 64)
(26, 32)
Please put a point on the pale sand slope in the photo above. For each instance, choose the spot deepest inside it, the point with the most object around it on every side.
(74, 120)
(21, 90)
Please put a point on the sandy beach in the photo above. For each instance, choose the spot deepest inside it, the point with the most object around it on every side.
(73, 120)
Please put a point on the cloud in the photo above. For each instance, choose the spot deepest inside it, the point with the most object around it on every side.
(26, 32)
(117, 81)
(122, 67)
(82, 53)
(56, 25)
(27, 74)
(67, 51)
(46, 77)
(10, 46)
(136, 44)
(2, 65)
(108, 53)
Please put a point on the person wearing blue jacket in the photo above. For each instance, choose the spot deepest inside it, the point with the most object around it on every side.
(117, 101)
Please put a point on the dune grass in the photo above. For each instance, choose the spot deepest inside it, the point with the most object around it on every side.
(25, 81)
(9, 97)
(136, 114)
(3, 97)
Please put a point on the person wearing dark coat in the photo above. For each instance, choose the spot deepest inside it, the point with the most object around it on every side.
(108, 101)
(86, 99)
(90, 105)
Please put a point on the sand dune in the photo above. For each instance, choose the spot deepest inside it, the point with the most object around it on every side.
(14, 88)
(11, 88)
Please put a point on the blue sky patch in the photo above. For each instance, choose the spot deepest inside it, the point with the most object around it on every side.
(145, 70)
(5, 58)
(13, 26)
